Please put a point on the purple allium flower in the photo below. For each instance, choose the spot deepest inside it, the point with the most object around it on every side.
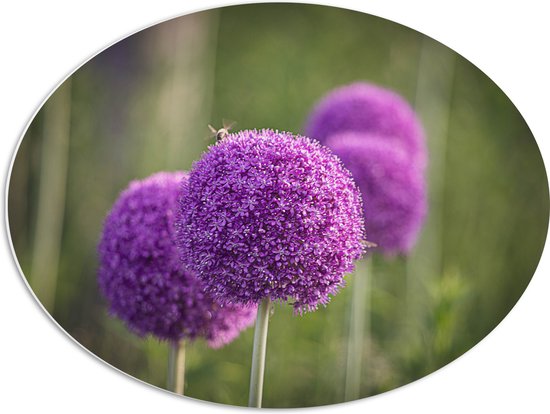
(394, 196)
(363, 107)
(142, 278)
(270, 214)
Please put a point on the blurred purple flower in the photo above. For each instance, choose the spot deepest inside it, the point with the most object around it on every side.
(270, 214)
(142, 278)
(363, 107)
(394, 196)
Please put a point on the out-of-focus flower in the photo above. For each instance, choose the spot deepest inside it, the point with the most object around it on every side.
(142, 278)
(394, 195)
(363, 107)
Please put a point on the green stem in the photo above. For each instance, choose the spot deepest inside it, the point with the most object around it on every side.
(176, 367)
(359, 323)
(258, 354)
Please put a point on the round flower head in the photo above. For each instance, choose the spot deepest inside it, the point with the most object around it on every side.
(267, 214)
(362, 107)
(142, 278)
(394, 197)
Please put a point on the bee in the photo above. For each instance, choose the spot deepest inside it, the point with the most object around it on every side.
(221, 133)
(368, 245)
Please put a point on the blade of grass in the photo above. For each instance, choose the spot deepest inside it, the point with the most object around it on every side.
(51, 197)
(435, 79)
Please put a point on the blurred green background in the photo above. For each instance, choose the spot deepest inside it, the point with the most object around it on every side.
(143, 105)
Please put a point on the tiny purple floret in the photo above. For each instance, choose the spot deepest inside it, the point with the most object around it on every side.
(368, 108)
(142, 278)
(394, 194)
(268, 214)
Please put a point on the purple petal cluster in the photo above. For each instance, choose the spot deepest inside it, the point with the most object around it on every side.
(363, 107)
(270, 214)
(394, 196)
(142, 278)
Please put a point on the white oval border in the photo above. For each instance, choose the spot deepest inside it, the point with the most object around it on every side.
(508, 369)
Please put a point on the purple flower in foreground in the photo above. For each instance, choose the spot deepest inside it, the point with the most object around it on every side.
(394, 197)
(270, 214)
(142, 278)
(363, 107)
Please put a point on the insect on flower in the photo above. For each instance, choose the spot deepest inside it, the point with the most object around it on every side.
(221, 133)
(368, 245)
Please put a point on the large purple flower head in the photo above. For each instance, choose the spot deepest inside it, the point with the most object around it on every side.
(363, 107)
(270, 214)
(394, 195)
(142, 278)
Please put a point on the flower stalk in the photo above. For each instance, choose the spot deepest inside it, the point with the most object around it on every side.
(359, 328)
(176, 367)
(258, 354)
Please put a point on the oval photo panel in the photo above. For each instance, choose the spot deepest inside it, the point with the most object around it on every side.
(278, 205)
